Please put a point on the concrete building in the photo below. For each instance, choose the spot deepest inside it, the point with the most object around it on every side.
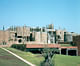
(4, 37)
(74, 34)
(44, 37)
(22, 35)
(12, 38)
(50, 33)
(68, 37)
(40, 37)
(51, 36)
(19, 35)
(37, 36)
(62, 50)
(60, 35)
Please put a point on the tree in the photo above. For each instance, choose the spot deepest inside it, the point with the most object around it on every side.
(48, 53)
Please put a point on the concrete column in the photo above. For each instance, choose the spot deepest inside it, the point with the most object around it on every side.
(76, 52)
(67, 51)
(59, 50)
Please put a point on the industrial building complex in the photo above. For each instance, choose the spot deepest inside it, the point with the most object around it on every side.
(37, 37)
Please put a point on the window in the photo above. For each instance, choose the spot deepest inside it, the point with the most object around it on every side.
(19, 40)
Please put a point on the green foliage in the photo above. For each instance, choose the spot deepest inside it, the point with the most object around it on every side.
(48, 53)
(19, 46)
(65, 45)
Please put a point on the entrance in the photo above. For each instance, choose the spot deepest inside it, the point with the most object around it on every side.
(72, 52)
(63, 51)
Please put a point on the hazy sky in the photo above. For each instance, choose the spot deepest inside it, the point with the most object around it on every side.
(62, 13)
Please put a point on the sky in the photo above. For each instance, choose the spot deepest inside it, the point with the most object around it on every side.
(61, 13)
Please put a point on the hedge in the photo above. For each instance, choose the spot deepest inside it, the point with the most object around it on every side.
(19, 46)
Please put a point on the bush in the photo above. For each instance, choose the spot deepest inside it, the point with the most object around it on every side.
(19, 46)
(73, 44)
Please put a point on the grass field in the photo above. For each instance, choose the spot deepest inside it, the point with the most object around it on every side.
(33, 58)
(60, 60)
(63, 60)
(7, 59)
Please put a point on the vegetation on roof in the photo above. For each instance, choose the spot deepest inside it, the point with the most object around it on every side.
(65, 45)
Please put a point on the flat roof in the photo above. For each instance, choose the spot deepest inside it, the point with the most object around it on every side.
(69, 47)
(48, 46)
(42, 45)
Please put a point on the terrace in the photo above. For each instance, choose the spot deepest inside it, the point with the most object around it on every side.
(64, 49)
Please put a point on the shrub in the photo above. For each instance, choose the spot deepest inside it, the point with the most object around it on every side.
(19, 46)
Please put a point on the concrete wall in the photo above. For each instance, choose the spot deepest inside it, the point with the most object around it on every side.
(4, 36)
(68, 37)
(41, 37)
(61, 34)
(44, 37)
(23, 31)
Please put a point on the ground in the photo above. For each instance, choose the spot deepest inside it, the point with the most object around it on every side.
(63, 60)
(6, 59)
(33, 58)
(60, 60)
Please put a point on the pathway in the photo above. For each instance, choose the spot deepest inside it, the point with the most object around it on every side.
(19, 57)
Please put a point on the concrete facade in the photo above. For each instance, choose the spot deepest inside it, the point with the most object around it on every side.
(22, 35)
(60, 34)
(46, 35)
(40, 37)
(4, 37)
(68, 37)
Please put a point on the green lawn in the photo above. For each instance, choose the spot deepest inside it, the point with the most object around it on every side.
(65, 45)
(7, 59)
(63, 60)
(33, 58)
(60, 60)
